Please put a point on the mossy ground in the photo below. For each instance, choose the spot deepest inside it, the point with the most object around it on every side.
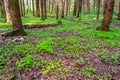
(70, 51)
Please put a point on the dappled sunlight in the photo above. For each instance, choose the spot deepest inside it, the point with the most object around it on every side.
(35, 20)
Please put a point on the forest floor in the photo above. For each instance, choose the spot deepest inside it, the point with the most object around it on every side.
(74, 50)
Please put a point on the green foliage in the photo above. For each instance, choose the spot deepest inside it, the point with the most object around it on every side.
(40, 33)
(45, 46)
(17, 49)
(87, 44)
(102, 34)
(2, 62)
(23, 49)
(48, 66)
(36, 20)
(106, 77)
(111, 58)
(79, 61)
(6, 49)
(11, 76)
(72, 45)
(26, 62)
(90, 69)
(87, 71)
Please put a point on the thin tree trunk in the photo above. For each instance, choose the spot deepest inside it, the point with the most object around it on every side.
(27, 6)
(79, 8)
(75, 7)
(45, 10)
(98, 12)
(63, 8)
(7, 11)
(119, 12)
(49, 6)
(94, 2)
(67, 3)
(37, 8)
(57, 9)
(33, 7)
(42, 10)
(52, 6)
(69, 10)
(21, 7)
(23, 2)
(88, 6)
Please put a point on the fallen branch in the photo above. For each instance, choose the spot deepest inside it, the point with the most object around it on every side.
(9, 33)
(39, 26)
(14, 32)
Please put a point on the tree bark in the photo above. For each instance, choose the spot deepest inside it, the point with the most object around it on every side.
(75, 8)
(57, 9)
(45, 10)
(49, 6)
(42, 10)
(27, 7)
(119, 12)
(79, 8)
(63, 8)
(16, 18)
(88, 6)
(52, 7)
(23, 2)
(67, 3)
(98, 12)
(37, 8)
(7, 11)
(21, 7)
(108, 12)
(69, 7)
(33, 7)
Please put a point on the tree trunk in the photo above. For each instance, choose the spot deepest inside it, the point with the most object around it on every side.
(52, 6)
(98, 12)
(42, 10)
(94, 4)
(67, 3)
(119, 12)
(75, 7)
(37, 8)
(69, 7)
(79, 8)
(108, 12)
(23, 7)
(33, 7)
(27, 7)
(63, 8)
(45, 10)
(88, 6)
(7, 11)
(57, 9)
(16, 18)
(49, 6)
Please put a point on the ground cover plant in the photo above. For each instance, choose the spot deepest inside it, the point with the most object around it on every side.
(64, 52)
(72, 49)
